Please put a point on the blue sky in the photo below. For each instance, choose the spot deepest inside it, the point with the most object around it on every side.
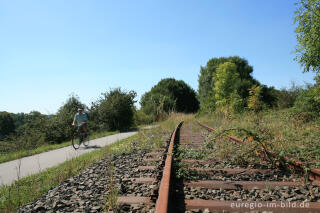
(51, 49)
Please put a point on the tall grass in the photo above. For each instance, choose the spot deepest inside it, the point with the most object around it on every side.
(285, 132)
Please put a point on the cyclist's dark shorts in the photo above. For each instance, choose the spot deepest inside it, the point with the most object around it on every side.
(82, 126)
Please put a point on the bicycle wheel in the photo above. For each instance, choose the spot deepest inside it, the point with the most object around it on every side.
(86, 140)
(76, 141)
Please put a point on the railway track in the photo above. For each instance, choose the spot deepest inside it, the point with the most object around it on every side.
(183, 182)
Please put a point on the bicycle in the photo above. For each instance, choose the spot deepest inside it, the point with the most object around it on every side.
(79, 137)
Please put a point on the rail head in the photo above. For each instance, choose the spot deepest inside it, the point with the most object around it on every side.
(163, 198)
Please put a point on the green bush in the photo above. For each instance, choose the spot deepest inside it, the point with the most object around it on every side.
(113, 111)
(167, 96)
(7, 125)
(142, 118)
(308, 101)
(287, 97)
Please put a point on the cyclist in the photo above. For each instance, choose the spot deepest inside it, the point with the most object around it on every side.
(82, 119)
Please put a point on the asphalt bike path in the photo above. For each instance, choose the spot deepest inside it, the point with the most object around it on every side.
(10, 171)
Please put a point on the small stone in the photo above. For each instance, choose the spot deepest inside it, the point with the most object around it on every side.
(95, 208)
(286, 195)
(206, 210)
(152, 186)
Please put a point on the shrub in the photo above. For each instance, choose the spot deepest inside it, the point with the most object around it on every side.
(169, 95)
(7, 125)
(114, 110)
(308, 101)
(287, 97)
(142, 118)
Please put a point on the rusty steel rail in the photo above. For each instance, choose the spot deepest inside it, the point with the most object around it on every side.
(313, 173)
(212, 129)
(163, 198)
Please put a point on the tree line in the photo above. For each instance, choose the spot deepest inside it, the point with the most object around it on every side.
(114, 110)
(226, 85)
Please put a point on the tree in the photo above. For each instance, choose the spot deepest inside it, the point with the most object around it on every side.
(308, 34)
(232, 74)
(269, 95)
(224, 78)
(224, 90)
(287, 97)
(114, 110)
(19, 119)
(6, 124)
(207, 80)
(169, 95)
(254, 101)
(141, 117)
(33, 132)
(308, 100)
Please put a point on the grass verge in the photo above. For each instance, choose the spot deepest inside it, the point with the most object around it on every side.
(25, 153)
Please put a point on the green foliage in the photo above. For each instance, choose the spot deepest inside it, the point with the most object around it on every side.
(269, 96)
(7, 125)
(207, 80)
(32, 133)
(224, 90)
(308, 100)
(223, 75)
(225, 78)
(254, 101)
(141, 117)
(157, 105)
(287, 97)
(169, 95)
(308, 34)
(114, 110)
(19, 119)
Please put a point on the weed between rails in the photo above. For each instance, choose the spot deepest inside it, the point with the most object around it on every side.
(182, 170)
(218, 146)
